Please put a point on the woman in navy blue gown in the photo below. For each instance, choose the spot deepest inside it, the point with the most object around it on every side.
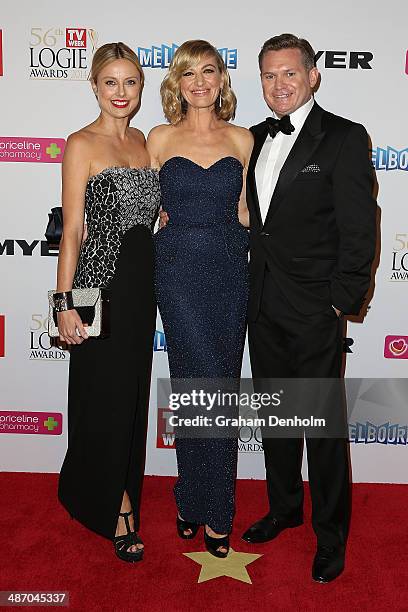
(202, 267)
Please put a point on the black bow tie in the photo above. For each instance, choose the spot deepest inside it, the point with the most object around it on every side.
(279, 125)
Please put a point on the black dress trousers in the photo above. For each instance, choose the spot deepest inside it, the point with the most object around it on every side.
(285, 343)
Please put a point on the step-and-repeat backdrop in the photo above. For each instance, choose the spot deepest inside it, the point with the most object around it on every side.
(46, 50)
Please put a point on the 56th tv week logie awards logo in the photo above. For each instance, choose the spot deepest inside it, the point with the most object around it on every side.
(63, 53)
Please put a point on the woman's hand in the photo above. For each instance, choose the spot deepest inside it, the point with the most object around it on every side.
(70, 327)
(164, 218)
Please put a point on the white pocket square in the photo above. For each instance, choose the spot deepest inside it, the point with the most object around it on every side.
(311, 168)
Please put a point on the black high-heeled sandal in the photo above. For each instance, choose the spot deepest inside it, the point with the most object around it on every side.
(121, 543)
(183, 525)
(213, 544)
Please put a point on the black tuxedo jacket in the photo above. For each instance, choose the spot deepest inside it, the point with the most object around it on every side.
(318, 239)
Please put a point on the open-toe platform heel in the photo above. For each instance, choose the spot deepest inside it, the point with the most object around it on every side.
(212, 545)
(183, 525)
(123, 542)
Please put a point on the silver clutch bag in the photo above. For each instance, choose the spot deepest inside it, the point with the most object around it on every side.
(92, 306)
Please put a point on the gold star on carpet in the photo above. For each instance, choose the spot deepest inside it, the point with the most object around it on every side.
(234, 565)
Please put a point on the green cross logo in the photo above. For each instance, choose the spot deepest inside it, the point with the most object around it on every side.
(50, 424)
(53, 150)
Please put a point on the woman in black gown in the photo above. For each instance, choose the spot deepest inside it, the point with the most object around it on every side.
(107, 177)
(202, 268)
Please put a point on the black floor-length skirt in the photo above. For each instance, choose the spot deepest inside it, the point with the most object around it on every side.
(108, 397)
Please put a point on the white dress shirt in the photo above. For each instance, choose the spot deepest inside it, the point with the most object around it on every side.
(273, 155)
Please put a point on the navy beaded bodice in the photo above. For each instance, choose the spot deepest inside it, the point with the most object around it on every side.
(192, 194)
(202, 205)
(116, 200)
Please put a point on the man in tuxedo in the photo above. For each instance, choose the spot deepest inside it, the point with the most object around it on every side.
(312, 242)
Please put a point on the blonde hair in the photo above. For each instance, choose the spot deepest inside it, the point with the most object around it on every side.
(111, 52)
(186, 56)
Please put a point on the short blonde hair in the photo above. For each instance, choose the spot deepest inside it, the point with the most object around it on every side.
(111, 52)
(186, 56)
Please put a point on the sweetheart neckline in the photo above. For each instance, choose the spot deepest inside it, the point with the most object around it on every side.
(144, 168)
(199, 165)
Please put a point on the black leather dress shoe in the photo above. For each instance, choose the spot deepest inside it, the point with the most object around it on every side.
(268, 528)
(328, 563)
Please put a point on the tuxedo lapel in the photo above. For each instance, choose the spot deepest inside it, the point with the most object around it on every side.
(306, 143)
(260, 132)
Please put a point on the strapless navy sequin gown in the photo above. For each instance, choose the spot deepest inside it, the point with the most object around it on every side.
(202, 288)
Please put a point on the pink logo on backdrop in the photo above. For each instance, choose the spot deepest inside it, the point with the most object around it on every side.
(396, 347)
(45, 423)
(40, 150)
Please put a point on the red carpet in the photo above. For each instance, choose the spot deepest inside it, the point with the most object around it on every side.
(42, 549)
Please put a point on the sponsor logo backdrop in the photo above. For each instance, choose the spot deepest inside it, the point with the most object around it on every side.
(46, 51)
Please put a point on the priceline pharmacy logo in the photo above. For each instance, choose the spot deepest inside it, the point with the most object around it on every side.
(45, 423)
(389, 158)
(40, 150)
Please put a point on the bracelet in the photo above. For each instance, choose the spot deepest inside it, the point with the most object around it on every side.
(63, 301)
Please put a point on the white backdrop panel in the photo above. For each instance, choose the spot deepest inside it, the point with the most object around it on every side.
(33, 377)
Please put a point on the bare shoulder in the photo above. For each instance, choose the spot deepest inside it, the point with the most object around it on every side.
(157, 141)
(80, 144)
(160, 133)
(137, 135)
(242, 135)
(81, 137)
(243, 140)
(79, 152)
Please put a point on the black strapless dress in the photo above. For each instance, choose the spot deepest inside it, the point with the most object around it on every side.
(109, 379)
(202, 290)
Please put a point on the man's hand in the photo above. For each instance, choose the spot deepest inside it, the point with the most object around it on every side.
(164, 219)
(337, 311)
